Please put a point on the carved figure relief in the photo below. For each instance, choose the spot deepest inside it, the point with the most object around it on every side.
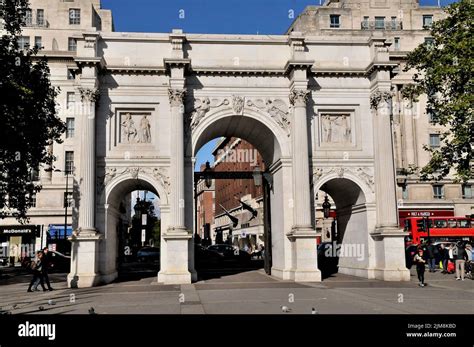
(336, 128)
(132, 134)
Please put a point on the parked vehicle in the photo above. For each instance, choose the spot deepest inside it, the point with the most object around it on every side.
(59, 262)
(204, 257)
(231, 254)
(148, 254)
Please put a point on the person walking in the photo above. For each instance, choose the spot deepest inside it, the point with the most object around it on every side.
(461, 257)
(431, 256)
(45, 267)
(444, 256)
(36, 267)
(420, 267)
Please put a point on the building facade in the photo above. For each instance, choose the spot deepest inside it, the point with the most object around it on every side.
(235, 154)
(316, 102)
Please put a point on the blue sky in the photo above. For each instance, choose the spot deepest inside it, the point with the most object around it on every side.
(211, 16)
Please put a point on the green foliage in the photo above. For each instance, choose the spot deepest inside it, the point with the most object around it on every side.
(29, 123)
(444, 72)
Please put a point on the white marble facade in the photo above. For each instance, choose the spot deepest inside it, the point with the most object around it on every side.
(317, 107)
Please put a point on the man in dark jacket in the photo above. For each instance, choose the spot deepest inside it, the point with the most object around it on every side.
(431, 256)
(444, 256)
(45, 268)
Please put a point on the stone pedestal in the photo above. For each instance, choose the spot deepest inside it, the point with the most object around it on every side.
(175, 270)
(305, 262)
(84, 260)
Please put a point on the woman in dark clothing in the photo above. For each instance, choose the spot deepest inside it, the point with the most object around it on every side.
(444, 256)
(37, 267)
(420, 267)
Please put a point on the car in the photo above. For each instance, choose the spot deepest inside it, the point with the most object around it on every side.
(148, 254)
(59, 262)
(230, 254)
(206, 258)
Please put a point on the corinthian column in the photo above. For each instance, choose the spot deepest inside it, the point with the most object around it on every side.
(388, 237)
(85, 240)
(302, 204)
(87, 172)
(177, 159)
(384, 161)
(302, 235)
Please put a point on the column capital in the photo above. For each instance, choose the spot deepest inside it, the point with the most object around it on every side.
(89, 94)
(176, 96)
(299, 97)
(380, 98)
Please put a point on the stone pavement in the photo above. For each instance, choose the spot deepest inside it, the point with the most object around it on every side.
(251, 292)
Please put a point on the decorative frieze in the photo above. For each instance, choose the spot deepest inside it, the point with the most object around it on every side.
(366, 174)
(159, 173)
(276, 108)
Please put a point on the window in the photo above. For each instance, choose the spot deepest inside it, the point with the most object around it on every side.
(438, 191)
(429, 41)
(435, 140)
(71, 100)
(69, 162)
(467, 191)
(28, 17)
(40, 17)
(70, 127)
(393, 23)
(38, 43)
(24, 42)
(72, 45)
(397, 43)
(74, 16)
(33, 200)
(405, 192)
(335, 21)
(379, 22)
(427, 21)
(34, 174)
(68, 199)
(365, 23)
(70, 74)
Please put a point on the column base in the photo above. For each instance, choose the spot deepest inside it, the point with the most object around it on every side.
(84, 259)
(85, 280)
(390, 254)
(174, 278)
(305, 255)
(175, 270)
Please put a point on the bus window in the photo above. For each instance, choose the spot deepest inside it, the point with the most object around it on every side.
(440, 223)
(464, 223)
(452, 223)
(407, 225)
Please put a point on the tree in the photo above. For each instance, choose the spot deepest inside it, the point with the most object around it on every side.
(444, 72)
(29, 123)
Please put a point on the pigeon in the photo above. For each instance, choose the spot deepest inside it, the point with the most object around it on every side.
(285, 309)
(41, 308)
(313, 311)
(51, 302)
(92, 311)
(14, 306)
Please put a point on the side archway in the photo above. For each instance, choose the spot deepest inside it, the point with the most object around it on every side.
(110, 218)
(355, 219)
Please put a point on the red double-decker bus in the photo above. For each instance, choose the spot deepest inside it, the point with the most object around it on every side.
(439, 229)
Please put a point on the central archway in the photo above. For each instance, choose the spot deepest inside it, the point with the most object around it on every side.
(273, 143)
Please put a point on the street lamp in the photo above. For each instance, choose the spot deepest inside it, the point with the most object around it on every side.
(257, 176)
(207, 177)
(326, 207)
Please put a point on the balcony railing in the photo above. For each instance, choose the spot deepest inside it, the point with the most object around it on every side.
(381, 25)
